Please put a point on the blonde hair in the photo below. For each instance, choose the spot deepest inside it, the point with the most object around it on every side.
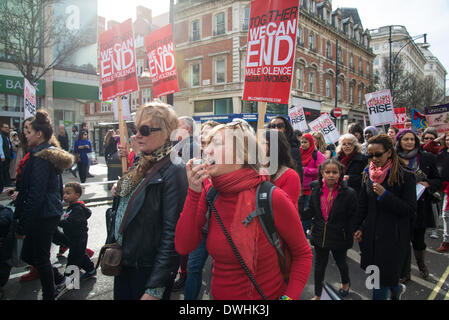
(161, 115)
(245, 144)
(355, 142)
(321, 142)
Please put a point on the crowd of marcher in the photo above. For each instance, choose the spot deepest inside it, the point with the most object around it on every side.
(266, 206)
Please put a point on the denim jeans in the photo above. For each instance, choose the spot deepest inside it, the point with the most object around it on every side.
(195, 265)
(382, 292)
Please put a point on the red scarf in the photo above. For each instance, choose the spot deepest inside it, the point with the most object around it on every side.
(243, 183)
(378, 174)
(21, 165)
(306, 155)
(345, 159)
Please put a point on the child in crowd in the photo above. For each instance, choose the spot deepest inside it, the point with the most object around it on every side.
(74, 225)
(331, 206)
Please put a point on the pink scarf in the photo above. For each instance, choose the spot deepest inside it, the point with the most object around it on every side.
(378, 174)
(327, 200)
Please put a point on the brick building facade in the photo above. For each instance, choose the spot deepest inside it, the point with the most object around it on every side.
(210, 38)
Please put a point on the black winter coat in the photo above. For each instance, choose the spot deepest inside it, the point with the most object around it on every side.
(40, 188)
(336, 233)
(296, 155)
(355, 170)
(149, 230)
(386, 226)
(428, 165)
(75, 224)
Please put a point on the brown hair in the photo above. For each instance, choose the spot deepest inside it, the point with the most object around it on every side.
(396, 175)
(162, 116)
(42, 123)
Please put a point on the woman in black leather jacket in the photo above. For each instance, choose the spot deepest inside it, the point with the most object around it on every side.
(151, 201)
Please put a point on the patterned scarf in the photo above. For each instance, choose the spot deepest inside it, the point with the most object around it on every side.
(132, 178)
(378, 174)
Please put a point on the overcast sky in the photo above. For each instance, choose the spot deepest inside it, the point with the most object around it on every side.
(431, 17)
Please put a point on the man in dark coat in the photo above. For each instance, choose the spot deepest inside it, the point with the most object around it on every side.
(6, 153)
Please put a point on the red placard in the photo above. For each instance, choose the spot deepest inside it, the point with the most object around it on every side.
(161, 59)
(118, 61)
(271, 50)
(401, 118)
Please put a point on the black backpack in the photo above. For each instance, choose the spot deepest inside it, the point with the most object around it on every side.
(264, 212)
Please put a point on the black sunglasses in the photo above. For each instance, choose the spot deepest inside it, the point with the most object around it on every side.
(145, 130)
(377, 155)
(278, 126)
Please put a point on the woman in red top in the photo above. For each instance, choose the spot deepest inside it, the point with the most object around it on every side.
(234, 173)
(281, 165)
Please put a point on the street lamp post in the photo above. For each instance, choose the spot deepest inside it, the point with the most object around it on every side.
(393, 59)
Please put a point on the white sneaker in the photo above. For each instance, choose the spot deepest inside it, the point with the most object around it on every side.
(400, 294)
(434, 234)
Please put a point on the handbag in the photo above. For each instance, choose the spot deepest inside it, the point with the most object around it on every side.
(77, 158)
(235, 250)
(110, 257)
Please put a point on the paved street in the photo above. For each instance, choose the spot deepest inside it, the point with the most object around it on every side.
(436, 287)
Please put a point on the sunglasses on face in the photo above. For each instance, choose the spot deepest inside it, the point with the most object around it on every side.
(429, 138)
(377, 155)
(277, 126)
(145, 130)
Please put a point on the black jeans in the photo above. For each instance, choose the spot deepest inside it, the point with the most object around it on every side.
(321, 260)
(36, 252)
(77, 255)
(418, 239)
(82, 170)
(130, 284)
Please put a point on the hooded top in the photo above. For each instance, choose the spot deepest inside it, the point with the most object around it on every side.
(74, 220)
(371, 129)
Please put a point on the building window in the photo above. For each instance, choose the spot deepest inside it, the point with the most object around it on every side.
(195, 75)
(203, 106)
(351, 94)
(360, 95)
(106, 107)
(311, 81)
(223, 106)
(219, 24)
(299, 38)
(340, 56)
(328, 50)
(246, 19)
(220, 71)
(311, 44)
(351, 62)
(368, 67)
(360, 66)
(195, 36)
(300, 79)
(339, 90)
(328, 87)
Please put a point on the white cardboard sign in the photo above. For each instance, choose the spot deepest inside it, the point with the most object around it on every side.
(380, 107)
(298, 118)
(326, 126)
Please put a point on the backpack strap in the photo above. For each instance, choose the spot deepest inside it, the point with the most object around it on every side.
(264, 204)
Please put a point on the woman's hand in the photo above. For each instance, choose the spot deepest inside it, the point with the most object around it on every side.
(146, 296)
(425, 184)
(196, 175)
(123, 151)
(358, 236)
(114, 190)
(378, 189)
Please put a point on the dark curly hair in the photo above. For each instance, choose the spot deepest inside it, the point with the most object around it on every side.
(42, 123)
(284, 150)
(340, 167)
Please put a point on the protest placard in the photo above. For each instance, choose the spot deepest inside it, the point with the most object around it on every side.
(125, 109)
(29, 95)
(118, 74)
(271, 50)
(161, 60)
(438, 117)
(118, 61)
(380, 107)
(298, 118)
(325, 125)
(400, 118)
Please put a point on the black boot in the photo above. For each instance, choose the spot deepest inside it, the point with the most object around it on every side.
(419, 255)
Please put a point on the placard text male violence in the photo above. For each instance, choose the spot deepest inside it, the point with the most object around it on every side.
(240, 309)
